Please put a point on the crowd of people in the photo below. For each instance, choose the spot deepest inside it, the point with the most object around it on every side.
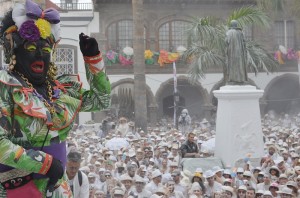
(150, 164)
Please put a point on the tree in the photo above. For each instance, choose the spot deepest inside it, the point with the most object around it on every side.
(207, 43)
(140, 100)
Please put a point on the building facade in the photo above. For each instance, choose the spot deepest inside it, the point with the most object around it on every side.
(110, 22)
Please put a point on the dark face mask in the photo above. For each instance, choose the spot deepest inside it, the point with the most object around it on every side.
(33, 60)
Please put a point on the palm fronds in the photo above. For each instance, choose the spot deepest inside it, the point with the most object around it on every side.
(207, 45)
(258, 59)
(250, 15)
(201, 58)
(202, 28)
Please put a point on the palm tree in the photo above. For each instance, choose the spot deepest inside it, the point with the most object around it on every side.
(207, 43)
(140, 100)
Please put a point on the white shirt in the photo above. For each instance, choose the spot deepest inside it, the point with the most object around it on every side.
(83, 190)
(152, 187)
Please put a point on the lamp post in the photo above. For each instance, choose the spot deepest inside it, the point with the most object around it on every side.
(176, 102)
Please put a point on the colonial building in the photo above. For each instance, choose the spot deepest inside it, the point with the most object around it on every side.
(165, 22)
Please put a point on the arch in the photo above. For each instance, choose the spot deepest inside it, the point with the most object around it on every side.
(150, 96)
(128, 91)
(282, 94)
(192, 96)
(172, 17)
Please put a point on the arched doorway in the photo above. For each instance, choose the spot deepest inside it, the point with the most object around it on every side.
(168, 105)
(122, 100)
(282, 94)
(191, 96)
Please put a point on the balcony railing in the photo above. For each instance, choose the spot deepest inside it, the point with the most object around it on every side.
(75, 6)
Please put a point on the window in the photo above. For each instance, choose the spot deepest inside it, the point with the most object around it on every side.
(120, 35)
(285, 33)
(65, 60)
(172, 34)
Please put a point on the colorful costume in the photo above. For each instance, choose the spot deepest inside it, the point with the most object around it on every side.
(33, 130)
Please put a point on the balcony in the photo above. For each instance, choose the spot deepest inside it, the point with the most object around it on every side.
(182, 68)
(75, 6)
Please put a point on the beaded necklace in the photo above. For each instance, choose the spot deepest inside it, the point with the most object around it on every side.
(49, 106)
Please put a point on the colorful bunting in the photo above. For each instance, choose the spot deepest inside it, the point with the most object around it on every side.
(126, 57)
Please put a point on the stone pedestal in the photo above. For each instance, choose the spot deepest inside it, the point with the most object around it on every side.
(238, 128)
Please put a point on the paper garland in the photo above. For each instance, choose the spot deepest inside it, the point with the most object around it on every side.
(290, 55)
(164, 57)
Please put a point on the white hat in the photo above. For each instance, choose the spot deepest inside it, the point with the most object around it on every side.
(125, 177)
(227, 172)
(198, 170)
(260, 192)
(285, 190)
(85, 168)
(160, 190)
(119, 191)
(97, 163)
(240, 170)
(297, 168)
(292, 183)
(175, 164)
(283, 176)
(139, 179)
(257, 168)
(216, 169)
(242, 187)
(247, 173)
(131, 153)
(267, 193)
(156, 173)
(196, 186)
(209, 173)
(90, 175)
(227, 188)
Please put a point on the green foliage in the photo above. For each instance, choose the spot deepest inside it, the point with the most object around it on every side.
(207, 44)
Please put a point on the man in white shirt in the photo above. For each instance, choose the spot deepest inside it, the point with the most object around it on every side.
(139, 191)
(78, 181)
(156, 176)
(212, 187)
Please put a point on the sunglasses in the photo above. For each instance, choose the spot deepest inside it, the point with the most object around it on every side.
(107, 175)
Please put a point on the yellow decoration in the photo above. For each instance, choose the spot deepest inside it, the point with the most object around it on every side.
(44, 28)
(148, 54)
(167, 57)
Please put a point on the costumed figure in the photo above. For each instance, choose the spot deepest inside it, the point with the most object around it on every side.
(38, 109)
(122, 126)
(184, 121)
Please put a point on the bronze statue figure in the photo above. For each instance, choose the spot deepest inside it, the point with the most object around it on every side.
(236, 56)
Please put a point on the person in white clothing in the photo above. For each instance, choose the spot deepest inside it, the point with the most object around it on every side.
(156, 181)
(78, 181)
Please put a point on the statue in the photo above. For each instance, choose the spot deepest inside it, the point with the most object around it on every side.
(236, 57)
(184, 121)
